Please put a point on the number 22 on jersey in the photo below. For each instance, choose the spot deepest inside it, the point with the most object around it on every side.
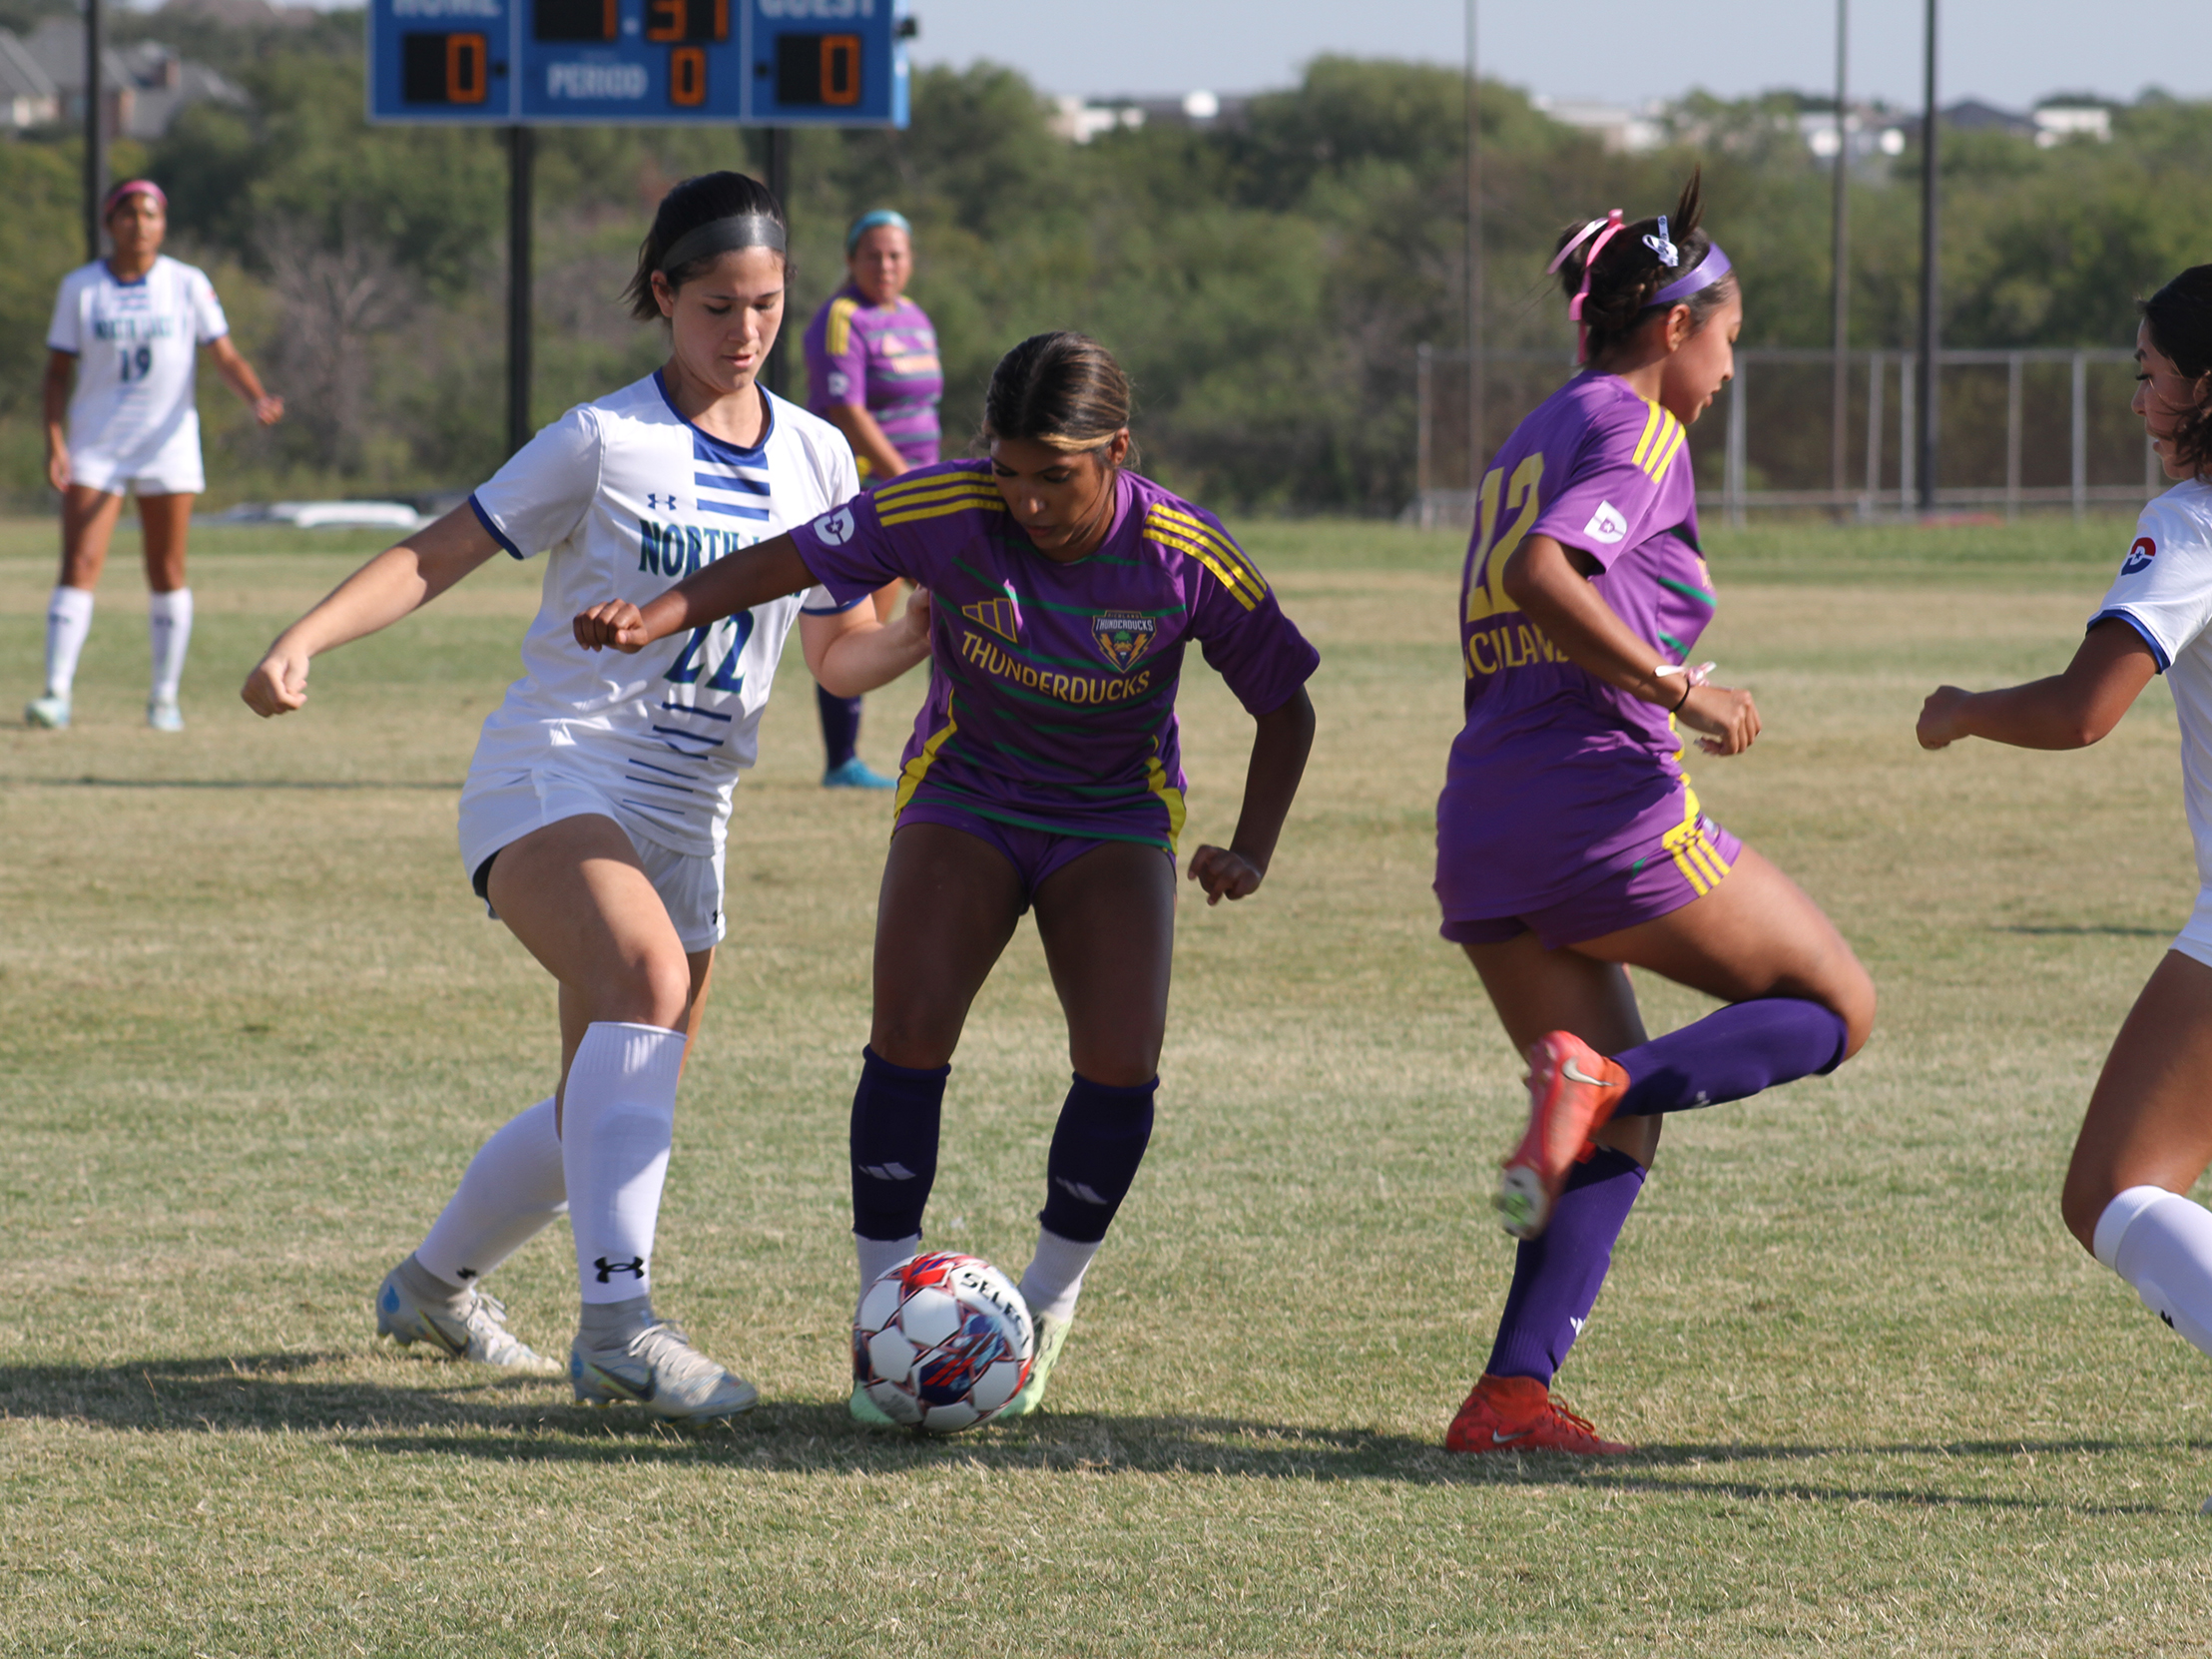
(1487, 569)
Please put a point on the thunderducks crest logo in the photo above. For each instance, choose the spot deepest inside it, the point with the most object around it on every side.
(1123, 638)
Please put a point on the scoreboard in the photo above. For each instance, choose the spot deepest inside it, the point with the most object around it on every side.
(770, 63)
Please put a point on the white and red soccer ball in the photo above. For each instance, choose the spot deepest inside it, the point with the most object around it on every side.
(943, 1342)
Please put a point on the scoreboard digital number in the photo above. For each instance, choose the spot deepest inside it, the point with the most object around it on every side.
(749, 62)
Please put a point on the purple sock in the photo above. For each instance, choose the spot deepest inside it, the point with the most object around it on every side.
(840, 726)
(1556, 1277)
(895, 1113)
(1730, 1054)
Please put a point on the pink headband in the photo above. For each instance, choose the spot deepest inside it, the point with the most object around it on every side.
(132, 186)
(1611, 227)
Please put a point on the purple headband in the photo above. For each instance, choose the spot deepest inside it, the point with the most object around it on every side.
(1708, 271)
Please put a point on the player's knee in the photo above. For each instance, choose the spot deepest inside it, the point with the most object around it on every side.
(918, 1036)
(2081, 1204)
(1850, 996)
(650, 988)
(1118, 1065)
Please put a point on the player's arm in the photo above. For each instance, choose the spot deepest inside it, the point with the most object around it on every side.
(866, 438)
(398, 581)
(1279, 749)
(735, 582)
(61, 370)
(1551, 583)
(852, 652)
(2066, 711)
(241, 379)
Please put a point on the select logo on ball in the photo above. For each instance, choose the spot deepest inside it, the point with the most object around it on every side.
(942, 1342)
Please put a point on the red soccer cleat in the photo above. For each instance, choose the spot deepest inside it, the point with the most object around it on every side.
(1572, 1090)
(1517, 1413)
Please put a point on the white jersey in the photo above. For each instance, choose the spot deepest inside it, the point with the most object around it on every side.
(2165, 591)
(625, 496)
(136, 346)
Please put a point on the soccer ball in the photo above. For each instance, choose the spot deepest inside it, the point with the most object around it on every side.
(943, 1342)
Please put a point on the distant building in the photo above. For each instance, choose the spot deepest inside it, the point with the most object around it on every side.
(144, 86)
(2056, 123)
(28, 94)
(1620, 129)
(1079, 120)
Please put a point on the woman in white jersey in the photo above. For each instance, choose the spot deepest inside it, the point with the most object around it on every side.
(595, 812)
(125, 329)
(2148, 1133)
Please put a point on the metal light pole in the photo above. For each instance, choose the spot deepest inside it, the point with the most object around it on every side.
(1932, 328)
(522, 156)
(96, 127)
(1477, 455)
(778, 182)
(1838, 446)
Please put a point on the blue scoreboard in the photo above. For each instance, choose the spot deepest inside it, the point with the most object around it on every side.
(766, 63)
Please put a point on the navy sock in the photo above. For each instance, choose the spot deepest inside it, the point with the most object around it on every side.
(894, 1145)
(1731, 1053)
(1556, 1276)
(1096, 1148)
(840, 726)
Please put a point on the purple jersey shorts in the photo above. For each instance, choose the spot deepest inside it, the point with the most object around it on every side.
(1683, 864)
(1036, 854)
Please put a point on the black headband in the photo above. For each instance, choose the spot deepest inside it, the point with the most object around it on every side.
(723, 235)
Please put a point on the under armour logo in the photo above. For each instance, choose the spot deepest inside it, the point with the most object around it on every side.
(1577, 1324)
(888, 1172)
(635, 1267)
(466, 1273)
(654, 498)
(1089, 1195)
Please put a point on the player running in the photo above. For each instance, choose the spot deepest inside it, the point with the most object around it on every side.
(126, 329)
(1043, 771)
(2148, 1133)
(1569, 842)
(596, 806)
(872, 372)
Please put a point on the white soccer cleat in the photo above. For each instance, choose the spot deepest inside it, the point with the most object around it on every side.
(48, 713)
(479, 1336)
(163, 714)
(659, 1370)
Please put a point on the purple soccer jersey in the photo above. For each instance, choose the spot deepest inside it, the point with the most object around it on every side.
(884, 358)
(1052, 686)
(1556, 778)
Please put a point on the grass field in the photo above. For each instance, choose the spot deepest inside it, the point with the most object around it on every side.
(255, 1026)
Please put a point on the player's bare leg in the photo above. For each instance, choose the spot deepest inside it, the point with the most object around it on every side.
(88, 524)
(576, 896)
(166, 521)
(2145, 1141)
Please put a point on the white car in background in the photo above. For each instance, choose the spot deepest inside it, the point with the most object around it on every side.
(323, 516)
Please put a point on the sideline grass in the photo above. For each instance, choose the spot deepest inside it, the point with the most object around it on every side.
(256, 1026)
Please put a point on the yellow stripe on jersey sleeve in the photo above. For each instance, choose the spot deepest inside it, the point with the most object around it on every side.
(1653, 422)
(1225, 559)
(965, 491)
(902, 492)
(1207, 556)
(836, 338)
(988, 502)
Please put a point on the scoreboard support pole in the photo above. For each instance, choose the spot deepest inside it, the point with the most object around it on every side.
(779, 186)
(96, 126)
(521, 159)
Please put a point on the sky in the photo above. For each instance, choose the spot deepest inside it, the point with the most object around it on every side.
(2005, 52)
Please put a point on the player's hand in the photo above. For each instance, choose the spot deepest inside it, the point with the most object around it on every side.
(278, 683)
(613, 623)
(917, 615)
(57, 467)
(1725, 716)
(269, 409)
(1938, 723)
(1225, 874)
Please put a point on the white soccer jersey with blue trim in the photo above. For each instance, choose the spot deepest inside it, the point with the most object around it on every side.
(625, 496)
(2164, 592)
(136, 346)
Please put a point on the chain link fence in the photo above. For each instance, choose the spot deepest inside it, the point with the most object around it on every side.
(2032, 428)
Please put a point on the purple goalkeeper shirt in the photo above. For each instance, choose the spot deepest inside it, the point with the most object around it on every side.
(1052, 686)
(1557, 778)
(884, 358)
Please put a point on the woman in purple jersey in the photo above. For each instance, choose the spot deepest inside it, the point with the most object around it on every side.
(1570, 843)
(1042, 771)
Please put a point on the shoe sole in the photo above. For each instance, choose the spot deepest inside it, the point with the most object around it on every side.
(604, 1395)
(1524, 1206)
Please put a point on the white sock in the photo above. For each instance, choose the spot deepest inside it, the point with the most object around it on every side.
(618, 1123)
(168, 631)
(513, 1187)
(2161, 1242)
(1054, 1276)
(879, 1256)
(68, 620)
